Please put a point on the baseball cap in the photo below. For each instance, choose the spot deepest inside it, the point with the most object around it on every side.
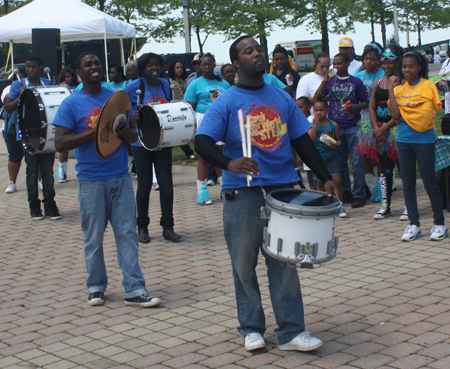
(346, 42)
(197, 58)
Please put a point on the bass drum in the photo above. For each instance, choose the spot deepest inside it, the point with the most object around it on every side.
(166, 125)
(37, 109)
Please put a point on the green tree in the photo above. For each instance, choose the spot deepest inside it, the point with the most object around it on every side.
(324, 16)
(11, 5)
(422, 15)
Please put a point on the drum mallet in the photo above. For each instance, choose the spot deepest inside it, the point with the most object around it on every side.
(244, 143)
(138, 92)
(47, 70)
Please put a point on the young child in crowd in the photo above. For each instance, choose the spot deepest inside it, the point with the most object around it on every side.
(324, 126)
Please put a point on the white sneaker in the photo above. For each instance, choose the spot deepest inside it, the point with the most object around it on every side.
(343, 213)
(61, 174)
(155, 186)
(11, 187)
(438, 232)
(41, 186)
(411, 233)
(206, 202)
(404, 215)
(210, 182)
(303, 342)
(254, 341)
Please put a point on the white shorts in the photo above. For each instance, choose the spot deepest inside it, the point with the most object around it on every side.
(199, 118)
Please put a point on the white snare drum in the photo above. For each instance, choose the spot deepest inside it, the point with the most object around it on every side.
(166, 125)
(37, 109)
(301, 226)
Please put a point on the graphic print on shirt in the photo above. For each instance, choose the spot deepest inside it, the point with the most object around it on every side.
(92, 117)
(154, 99)
(267, 127)
(214, 94)
(342, 93)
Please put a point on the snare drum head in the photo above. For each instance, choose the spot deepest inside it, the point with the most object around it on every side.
(30, 120)
(106, 142)
(149, 128)
(304, 202)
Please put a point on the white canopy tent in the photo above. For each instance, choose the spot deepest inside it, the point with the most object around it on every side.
(76, 20)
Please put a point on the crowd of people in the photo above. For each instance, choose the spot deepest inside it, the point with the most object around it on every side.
(376, 114)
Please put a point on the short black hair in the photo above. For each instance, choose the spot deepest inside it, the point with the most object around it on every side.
(370, 49)
(81, 56)
(233, 50)
(222, 68)
(305, 100)
(172, 69)
(119, 69)
(320, 55)
(321, 99)
(280, 49)
(144, 59)
(344, 57)
(34, 58)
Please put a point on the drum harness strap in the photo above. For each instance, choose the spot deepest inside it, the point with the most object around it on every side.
(142, 88)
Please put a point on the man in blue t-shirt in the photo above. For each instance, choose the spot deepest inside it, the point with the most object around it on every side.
(276, 123)
(44, 162)
(347, 96)
(104, 186)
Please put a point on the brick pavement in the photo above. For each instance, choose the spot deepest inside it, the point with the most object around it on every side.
(380, 304)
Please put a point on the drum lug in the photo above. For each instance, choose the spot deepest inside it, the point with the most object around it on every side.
(308, 249)
(186, 141)
(169, 128)
(266, 237)
(332, 245)
(164, 111)
(42, 140)
(265, 213)
(188, 125)
(279, 245)
(306, 263)
(44, 125)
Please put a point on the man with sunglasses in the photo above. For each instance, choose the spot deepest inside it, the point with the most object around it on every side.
(271, 168)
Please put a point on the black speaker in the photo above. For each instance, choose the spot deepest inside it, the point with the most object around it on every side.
(46, 43)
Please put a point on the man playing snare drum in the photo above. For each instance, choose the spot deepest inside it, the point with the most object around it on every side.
(105, 190)
(276, 123)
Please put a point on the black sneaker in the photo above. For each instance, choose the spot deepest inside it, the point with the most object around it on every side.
(36, 214)
(143, 235)
(143, 301)
(96, 299)
(358, 202)
(53, 213)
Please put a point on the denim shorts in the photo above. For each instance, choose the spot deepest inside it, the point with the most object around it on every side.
(332, 166)
(15, 149)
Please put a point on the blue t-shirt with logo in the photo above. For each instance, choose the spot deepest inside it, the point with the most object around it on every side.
(161, 94)
(275, 122)
(79, 112)
(204, 91)
(369, 78)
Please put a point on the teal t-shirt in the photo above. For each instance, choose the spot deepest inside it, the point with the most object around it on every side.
(204, 91)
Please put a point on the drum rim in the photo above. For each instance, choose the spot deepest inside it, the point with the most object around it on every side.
(299, 210)
(150, 106)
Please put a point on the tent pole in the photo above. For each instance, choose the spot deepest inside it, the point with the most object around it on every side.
(12, 55)
(135, 48)
(106, 60)
(122, 52)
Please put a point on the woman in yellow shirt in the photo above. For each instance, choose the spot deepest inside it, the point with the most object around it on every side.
(412, 103)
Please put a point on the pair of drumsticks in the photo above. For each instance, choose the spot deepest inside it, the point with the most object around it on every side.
(246, 144)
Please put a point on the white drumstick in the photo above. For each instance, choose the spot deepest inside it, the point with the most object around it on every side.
(249, 146)
(47, 70)
(138, 94)
(244, 144)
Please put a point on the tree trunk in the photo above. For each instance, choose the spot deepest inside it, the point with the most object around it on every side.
(383, 24)
(324, 32)
(418, 30)
(372, 26)
(200, 45)
(6, 7)
(102, 5)
(263, 43)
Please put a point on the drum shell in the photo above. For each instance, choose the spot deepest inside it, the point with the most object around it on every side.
(37, 110)
(166, 125)
(294, 231)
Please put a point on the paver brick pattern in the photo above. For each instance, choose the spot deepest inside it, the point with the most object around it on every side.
(380, 303)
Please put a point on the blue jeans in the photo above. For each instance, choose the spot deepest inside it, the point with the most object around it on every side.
(162, 159)
(424, 154)
(44, 162)
(243, 228)
(110, 200)
(349, 141)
